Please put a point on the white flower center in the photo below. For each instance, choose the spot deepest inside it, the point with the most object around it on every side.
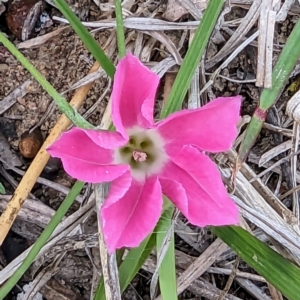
(144, 152)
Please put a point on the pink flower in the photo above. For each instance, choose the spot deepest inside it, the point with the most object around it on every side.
(144, 160)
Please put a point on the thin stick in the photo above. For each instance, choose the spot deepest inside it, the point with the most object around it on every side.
(261, 53)
(230, 279)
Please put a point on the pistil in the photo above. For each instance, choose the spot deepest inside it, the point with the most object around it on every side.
(139, 155)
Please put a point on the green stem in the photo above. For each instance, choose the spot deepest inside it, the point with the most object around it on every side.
(282, 70)
(251, 134)
(2, 188)
(62, 210)
(61, 102)
(120, 29)
(280, 75)
(167, 269)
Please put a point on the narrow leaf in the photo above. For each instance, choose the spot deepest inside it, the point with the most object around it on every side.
(192, 58)
(2, 189)
(280, 272)
(86, 38)
(167, 270)
(282, 70)
(134, 261)
(120, 29)
(251, 134)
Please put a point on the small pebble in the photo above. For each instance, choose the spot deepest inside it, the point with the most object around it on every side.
(31, 143)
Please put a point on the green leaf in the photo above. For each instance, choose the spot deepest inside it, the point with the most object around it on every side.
(280, 272)
(120, 29)
(134, 261)
(86, 38)
(2, 189)
(192, 58)
(167, 269)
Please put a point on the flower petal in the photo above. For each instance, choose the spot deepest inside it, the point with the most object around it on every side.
(85, 160)
(175, 192)
(208, 201)
(128, 219)
(133, 95)
(106, 139)
(212, 127)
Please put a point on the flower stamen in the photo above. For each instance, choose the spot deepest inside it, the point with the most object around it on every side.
(139, 156)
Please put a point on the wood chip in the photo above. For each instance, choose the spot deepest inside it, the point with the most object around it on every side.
(12, 98)
(40, 39)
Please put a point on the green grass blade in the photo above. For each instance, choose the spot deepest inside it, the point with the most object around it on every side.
(167, 270)
(192, 58)
(282, 70)
(61, 102)
(281, 273)
(120, 29)
(2, 189)
(62, 210)
(86, 38)
(252, 132)
(138, 255)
